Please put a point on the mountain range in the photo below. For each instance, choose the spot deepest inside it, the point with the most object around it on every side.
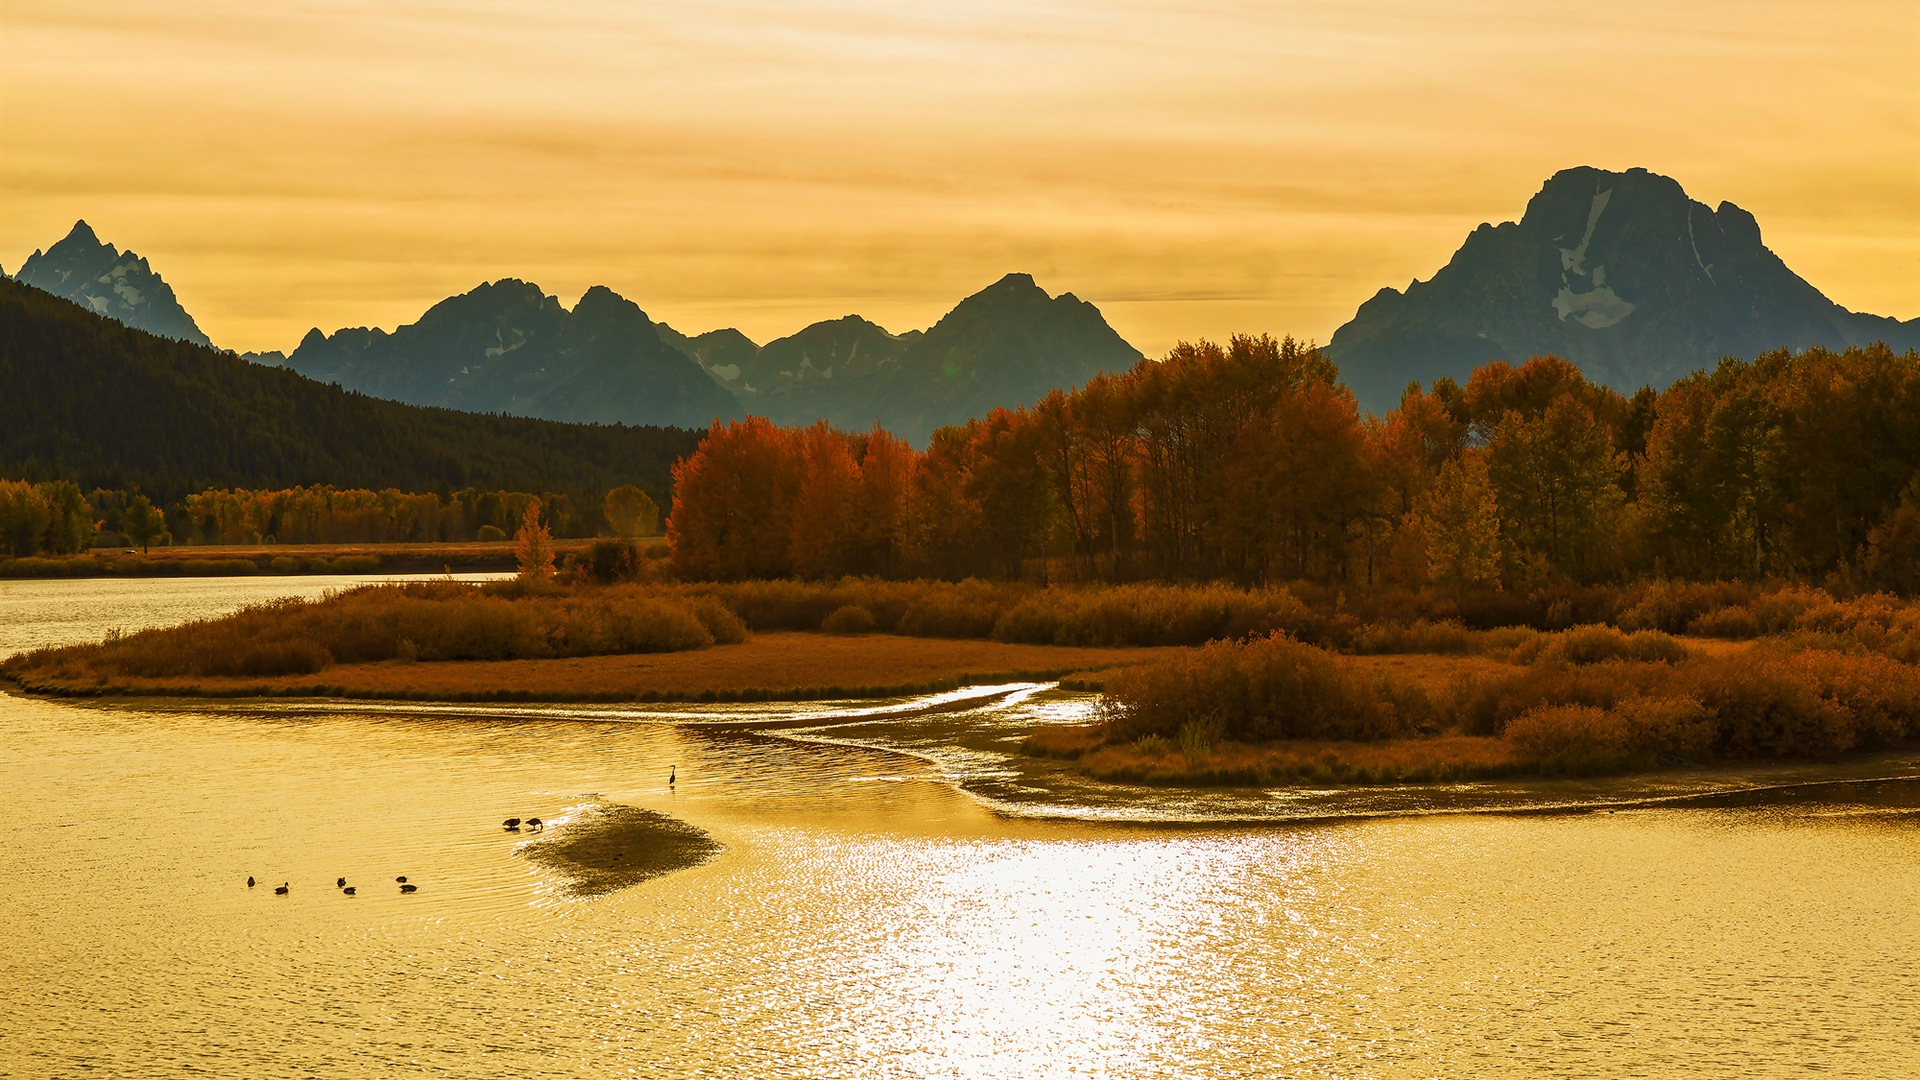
(1619, 272)
(508, 347)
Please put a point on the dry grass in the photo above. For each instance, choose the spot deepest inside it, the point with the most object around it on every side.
(769, 667)
(430, 621)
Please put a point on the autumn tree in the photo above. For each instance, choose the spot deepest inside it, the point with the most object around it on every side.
(733, 500)
(631, 511)
(1456, 525)
(1557, 480)
(533, 546)
(145, 525)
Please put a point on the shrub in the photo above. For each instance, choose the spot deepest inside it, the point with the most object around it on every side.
(1150, 615)
(1738, 623)
(356, 564)
(607, 562)
(1672, 606)
(725, 627)
(285, 564)
(1419, 636)
(1636, 731)
(490, 534)
(218, 567)
(1599, 644)
(849, 619)
(1255, 691)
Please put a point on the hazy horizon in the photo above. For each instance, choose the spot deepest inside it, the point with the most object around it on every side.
(1242, 168)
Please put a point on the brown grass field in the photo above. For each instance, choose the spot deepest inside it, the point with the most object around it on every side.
(768, 667)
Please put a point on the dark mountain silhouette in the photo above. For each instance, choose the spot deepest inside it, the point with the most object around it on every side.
(117, 284)
(1009, 344)
(1621, 273)
(507, 347)
(90, 400)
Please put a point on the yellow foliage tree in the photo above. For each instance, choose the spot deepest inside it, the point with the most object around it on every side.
(533, 546)
(631, 512)
(1459, 520)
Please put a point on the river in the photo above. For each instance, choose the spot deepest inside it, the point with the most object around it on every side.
(898, 895)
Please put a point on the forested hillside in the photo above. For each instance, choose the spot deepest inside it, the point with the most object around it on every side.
(86, 399)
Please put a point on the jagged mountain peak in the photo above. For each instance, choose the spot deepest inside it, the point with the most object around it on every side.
(507, 346)
(118, 284)
(1621, 272)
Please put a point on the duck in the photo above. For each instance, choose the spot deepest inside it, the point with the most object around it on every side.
(249, 881)
(348, 891)
(512, 823)
(536, 824)
(281, 890)
(402, 879)
(409, 888)
(340, 883)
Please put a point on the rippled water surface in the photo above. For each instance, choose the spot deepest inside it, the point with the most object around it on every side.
(897, 895)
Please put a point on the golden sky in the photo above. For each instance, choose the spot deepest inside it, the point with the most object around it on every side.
(1194, 168)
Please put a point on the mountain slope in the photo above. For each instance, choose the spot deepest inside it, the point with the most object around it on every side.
(117, 284)
(87, 399)
(1621, 273)
(507, 347)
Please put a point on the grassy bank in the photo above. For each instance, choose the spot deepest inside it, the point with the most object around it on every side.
(779, 666)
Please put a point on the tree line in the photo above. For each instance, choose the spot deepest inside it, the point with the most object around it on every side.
(1251, 462)
(57, 518)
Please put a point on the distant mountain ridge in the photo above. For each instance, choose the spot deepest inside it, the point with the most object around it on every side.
(1009, 344)
(117, 284)
(1619, 272)
(508, 347)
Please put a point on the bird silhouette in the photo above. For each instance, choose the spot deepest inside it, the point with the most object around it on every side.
(536, 824)
(348, 890)
(249, 881)
(340, 883)
(409, 888)
(280, 890)
(512, 823)
(672, 770)
(402, 879)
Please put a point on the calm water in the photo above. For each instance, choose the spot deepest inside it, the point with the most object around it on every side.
(897, 897)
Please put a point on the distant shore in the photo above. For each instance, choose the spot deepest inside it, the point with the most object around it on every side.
(229, 560)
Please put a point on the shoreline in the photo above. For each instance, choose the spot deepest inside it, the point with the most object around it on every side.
(773, 666)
